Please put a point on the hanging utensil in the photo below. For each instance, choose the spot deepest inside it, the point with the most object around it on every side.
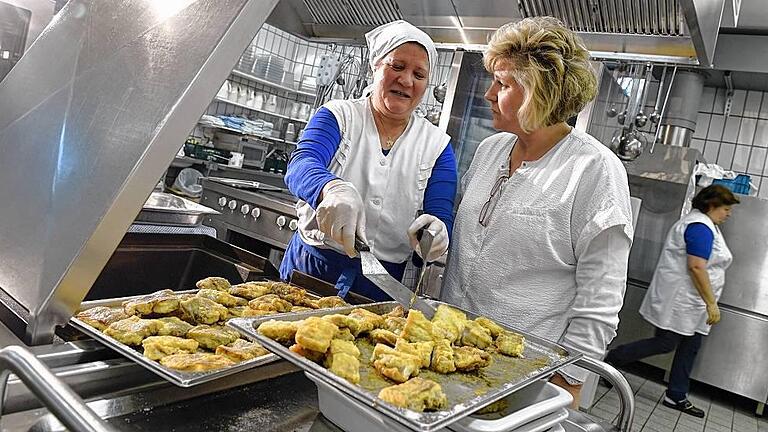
(622, 116)
(641, 118)
(611, 111)
(655, 115)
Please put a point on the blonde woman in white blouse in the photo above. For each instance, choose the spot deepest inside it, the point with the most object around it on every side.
(543, 231)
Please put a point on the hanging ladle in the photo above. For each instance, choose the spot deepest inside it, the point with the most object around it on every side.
(641, 119)
(611, 112)
(655, 115)
(622, 117)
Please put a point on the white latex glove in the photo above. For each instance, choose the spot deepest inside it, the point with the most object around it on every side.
(340, 215)
(440, 243)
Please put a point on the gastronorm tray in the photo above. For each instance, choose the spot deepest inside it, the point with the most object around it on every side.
(466, 392)
(167, 209)
(180, 378)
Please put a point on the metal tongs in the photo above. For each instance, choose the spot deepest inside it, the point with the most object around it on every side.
(376, 273)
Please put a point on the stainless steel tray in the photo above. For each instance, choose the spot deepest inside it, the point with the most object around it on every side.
(181, 379)
(466, 392)
(168, 209)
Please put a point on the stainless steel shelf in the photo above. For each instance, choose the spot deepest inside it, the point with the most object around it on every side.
(239, 132)
(220, 99)
(270, 83)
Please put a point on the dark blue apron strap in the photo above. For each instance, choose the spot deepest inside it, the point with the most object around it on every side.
(346, 280)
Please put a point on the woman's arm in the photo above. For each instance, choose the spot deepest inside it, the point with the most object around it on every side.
(308, 172)
(441, 188)
(697, 268)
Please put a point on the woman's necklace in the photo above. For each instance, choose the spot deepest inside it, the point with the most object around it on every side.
(389, 141)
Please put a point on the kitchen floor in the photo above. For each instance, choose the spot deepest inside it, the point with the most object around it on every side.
(725, 411)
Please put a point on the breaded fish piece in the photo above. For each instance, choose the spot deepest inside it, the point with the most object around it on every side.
(422, 350)
(417, 328)
(394, 324)
(270, 302)
(345, 321)
(197, 362)
(214, 283)
(367, 319)
(476, 335)
(161, 302)
(330, 302)
(201, 310)
(288, 292)
(132, 330)
(345, 366)
(442, 357)
(222, 297)
(342, 346)
(250, 290)
(100, 317)
(241, 350)
(281, 331)
(315, 356)
(416, 394)
(469, 358)
(173, 326)
(315, 333)
(448, 323)
(397, 312)
(210, 337)
(383, 336)
(494, 329)
(510, 343)
(157, 347)
(395, 365)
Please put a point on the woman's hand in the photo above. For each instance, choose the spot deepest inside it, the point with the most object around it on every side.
(574, 390)
(440, 242)
(340, 214)
(713, 314)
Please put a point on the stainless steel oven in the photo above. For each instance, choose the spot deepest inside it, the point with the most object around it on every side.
(256, 217)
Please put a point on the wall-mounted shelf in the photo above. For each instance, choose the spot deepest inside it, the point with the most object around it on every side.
(270, 83)
(235, 131)
(283, 116)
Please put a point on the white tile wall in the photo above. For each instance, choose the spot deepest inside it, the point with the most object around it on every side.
(738, 142)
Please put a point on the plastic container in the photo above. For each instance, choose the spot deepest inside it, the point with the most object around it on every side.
(739, 185)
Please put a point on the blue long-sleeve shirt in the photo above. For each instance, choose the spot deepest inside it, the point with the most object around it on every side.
(307, 174)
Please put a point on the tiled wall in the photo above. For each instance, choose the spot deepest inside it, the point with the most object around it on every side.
(740, 141)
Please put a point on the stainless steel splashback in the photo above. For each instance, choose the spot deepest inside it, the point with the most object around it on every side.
(90, 118)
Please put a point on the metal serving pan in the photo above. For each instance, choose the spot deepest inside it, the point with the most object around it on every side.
(466, 392)
(180, 378)
(167, 209)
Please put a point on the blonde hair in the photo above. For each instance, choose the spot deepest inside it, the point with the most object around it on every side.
(550, 63)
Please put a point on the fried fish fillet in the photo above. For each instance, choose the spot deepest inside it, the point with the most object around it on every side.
(511, 344)
(417, 327)
(315, 356)
(315, 334)
(288, 292)
(157, 347)
(345, 334)
(241, 350)
(214, 283)
(160, 302)
(394, 324)
(132, 330)
(476, 335)
(197, 362)
(345, 366)
(397, 312)
(173, 326)
(270, 302)
(416, 394)
(422, 350)
(442, 357)
(448, 323)
(395, 365)
(383, 336)
(494, 329)
(250, 290)
(469, 358)
(367, 320)
(237, 311)
(330, 302)
(222, 297)
(210, 337)
(201, 310)
(100, 317)
(345, 321)
(281, 331)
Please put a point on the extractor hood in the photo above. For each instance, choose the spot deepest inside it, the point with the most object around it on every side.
(670, 31)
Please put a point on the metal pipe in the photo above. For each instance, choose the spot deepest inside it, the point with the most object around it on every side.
(626, 395)
(65, 404)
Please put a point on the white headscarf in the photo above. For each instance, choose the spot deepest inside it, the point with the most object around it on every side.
(387, 37)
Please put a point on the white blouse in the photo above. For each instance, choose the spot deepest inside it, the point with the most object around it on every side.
(552, 259)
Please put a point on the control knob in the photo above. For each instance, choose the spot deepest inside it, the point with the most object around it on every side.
(256, 212)
(281, 221)
(223, 201)
(232, 205)
(245, 209)
(293, 225)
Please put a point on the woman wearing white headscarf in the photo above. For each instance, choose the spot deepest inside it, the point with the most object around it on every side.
(368, 166)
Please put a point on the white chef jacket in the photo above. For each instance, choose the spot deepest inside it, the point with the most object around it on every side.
(392, 186)
(534, 266)
(672, 301)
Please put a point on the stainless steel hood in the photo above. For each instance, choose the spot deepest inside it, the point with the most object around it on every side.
(672, 31)
(90, 118)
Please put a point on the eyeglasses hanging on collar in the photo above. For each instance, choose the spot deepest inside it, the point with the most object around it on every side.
(485, 212)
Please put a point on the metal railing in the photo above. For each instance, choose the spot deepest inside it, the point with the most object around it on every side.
(64, 403)
(626, 395)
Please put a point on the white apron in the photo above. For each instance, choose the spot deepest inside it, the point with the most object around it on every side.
(672, 301)
(392, 186)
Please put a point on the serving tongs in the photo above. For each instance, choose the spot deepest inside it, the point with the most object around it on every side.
(376, 273)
